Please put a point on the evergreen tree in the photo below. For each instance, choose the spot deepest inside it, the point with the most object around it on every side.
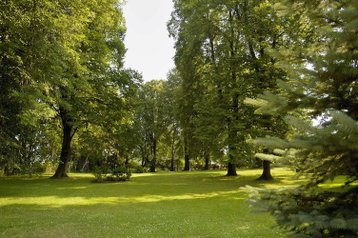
(320, 101)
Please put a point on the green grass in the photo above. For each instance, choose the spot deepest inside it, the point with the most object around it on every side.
(192, 204)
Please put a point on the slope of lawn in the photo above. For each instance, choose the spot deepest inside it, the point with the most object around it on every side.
(192, 204)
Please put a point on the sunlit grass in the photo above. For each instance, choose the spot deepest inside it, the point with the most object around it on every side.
(191, 204)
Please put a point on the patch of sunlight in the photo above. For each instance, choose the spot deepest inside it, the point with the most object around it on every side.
(134, 175)
(284, 183)
(337, 182)
(331, 185)
(244, 227)
(80, 175)
(275, 171)
(56, 202)
(73, 188)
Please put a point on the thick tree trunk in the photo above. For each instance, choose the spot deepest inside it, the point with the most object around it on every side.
(152, 166)
(231, 169)
(61, 171)
(266, 173)
(207, 160)
(186, 159)
(126, 162)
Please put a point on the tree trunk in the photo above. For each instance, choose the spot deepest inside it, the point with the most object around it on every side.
(233, 137)
(172, 157)
(154, 159)
(186, 159)
(152, 166)
(144, 156)
(266, 173)
(126, 162)
(207, 160)
(61, 171)
(85, 166)
(231, 169)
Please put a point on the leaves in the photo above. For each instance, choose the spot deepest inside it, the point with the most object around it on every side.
(319, 85)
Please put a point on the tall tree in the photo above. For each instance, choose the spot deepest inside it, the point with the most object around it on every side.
(322, 88)
(154, 117)
(222, 56)
(68, 59)
(23, 43)
(89, 85)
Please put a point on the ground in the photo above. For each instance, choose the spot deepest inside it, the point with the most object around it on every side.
(184, 204)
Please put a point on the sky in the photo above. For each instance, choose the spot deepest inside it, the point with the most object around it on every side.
(150, 51)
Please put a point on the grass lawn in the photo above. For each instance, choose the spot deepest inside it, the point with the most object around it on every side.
(191, 204)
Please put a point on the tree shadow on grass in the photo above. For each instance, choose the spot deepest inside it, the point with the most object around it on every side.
(198, 204)
(157, 187)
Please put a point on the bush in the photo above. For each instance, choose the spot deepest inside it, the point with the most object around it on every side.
(98, 174)
(119, 174)
(139, 169)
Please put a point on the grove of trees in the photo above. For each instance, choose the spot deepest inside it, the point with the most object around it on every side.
(254, 82)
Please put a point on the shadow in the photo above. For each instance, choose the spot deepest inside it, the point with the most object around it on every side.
(141, 188)
(194, 204)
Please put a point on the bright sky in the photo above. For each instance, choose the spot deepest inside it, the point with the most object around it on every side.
(149, 48)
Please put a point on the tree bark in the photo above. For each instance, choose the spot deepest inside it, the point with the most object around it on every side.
(154, 159)
(61, 171)
(172, 157)
(266, 173)
(232, 137)
(67, 135)
(231, 169)
(186, 159)
(207, 160)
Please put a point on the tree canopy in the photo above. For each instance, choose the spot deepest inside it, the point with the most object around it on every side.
(255, 82)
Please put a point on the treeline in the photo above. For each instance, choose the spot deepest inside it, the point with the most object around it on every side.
(274, 80)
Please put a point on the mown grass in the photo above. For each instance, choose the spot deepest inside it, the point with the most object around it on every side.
(192, 204)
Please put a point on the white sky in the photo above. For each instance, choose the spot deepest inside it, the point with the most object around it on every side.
(149, 49)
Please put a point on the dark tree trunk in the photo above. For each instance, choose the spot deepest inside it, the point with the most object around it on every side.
(61, 171)
(233, 137)
(231, 169)
(152, 166)
(266, 173)
(126, 162)
(207, 160)
(186, 159)
(153, 163)
(172, 160)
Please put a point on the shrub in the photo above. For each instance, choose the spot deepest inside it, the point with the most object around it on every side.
(119, 174)
(98, 174)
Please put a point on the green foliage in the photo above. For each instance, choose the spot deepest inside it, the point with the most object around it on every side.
(221, 57)
(155, 122)
(61, 67)
(320, 101)
(118, 174)
(310, 213)
(98, 174)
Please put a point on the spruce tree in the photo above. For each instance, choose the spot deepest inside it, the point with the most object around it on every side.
(320, 101)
